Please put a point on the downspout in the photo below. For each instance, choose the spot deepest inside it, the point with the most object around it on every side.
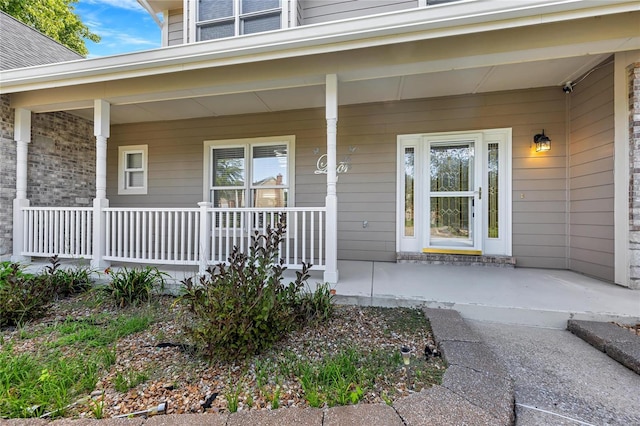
(567, 126)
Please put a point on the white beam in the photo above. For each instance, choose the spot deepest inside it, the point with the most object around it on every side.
(101, 131)
(331, 271)
(22, 136)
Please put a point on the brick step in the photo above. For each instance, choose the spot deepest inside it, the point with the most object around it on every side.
(456, 259)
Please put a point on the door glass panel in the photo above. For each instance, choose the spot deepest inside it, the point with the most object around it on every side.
(451, 213)
(451, 167)
(451, 221)
(492, 196)
(409, 178)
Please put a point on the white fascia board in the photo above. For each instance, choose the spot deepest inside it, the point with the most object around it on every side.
(464, 17)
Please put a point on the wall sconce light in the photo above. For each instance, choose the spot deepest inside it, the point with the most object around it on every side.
(542, 141)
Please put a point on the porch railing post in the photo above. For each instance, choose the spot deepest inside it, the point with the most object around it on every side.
(331, 271)
(205, 237)
(22, 136)
(101, 131)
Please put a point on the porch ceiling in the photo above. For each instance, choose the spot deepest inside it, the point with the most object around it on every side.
(542, 73)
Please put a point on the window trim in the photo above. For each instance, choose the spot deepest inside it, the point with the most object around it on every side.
(237, 18)
(123, 151)
(248, 144)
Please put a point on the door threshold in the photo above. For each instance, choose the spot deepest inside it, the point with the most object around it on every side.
(469, 252)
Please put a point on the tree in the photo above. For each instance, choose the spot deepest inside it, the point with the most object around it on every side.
(55, 18)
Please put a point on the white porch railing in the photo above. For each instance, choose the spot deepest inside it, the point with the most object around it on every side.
(303, 240)
(155, 235)
(174, 236)
(65, 231)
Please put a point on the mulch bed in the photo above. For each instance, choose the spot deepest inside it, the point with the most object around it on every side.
(190, 384)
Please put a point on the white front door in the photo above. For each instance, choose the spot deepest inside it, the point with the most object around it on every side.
(454, 192)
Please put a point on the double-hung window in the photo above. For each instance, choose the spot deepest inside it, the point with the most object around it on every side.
(250, 172)
(227, 18)
(132, 169)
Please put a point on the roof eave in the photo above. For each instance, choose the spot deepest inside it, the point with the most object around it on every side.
(376, 30)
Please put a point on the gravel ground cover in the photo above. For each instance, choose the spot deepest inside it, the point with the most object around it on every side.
(633, 328)
(156, 365)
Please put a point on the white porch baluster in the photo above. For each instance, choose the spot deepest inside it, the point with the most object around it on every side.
(22, 136)
(205, 237)
(331, 271)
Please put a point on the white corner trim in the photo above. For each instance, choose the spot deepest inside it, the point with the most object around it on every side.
(622, 259)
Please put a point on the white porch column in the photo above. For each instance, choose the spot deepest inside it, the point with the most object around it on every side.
(101, 122)
(331, 271)
(22, 136)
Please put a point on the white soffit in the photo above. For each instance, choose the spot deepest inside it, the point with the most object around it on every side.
(293, 98)
(456, 82)
(238, 103)
(538, 74)
(363, 91)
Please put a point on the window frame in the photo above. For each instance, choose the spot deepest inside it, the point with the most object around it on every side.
(247, 144)
(238, 18)
(123, 152)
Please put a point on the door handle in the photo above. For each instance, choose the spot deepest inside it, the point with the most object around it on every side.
(479, 191)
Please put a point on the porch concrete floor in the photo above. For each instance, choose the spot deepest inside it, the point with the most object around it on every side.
(525, 296)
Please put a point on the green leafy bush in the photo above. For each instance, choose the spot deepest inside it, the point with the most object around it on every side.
(68, 282)
(23, 296)
(133, 286)
(240, 308)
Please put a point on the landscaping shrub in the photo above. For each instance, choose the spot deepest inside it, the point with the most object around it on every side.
(68, 282)
(240, 308)
(23, 296)
(132, 286)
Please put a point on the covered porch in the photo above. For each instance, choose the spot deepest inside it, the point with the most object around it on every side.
(398, 74)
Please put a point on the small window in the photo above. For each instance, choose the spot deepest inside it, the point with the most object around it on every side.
(132, 169)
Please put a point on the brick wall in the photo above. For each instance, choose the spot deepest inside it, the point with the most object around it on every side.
(634, 175)
(61, 165)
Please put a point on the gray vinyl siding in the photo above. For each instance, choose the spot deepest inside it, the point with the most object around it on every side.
(368, 190)
(591, 175)
(317, 11)
(176, 27)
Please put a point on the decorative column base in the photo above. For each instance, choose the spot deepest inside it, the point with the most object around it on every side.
(99, 233)
(18, 231)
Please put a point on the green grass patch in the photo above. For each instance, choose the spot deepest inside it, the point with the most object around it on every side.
(92, 332)
(32, 384)
(129, 380)
(46, 382)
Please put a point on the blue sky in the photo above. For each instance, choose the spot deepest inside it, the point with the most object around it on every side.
(123, 25)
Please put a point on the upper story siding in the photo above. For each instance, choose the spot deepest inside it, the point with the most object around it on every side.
(176, 27)
(301, 12)
(317, 11)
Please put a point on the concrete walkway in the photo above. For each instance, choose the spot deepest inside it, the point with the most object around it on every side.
(560, 379)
